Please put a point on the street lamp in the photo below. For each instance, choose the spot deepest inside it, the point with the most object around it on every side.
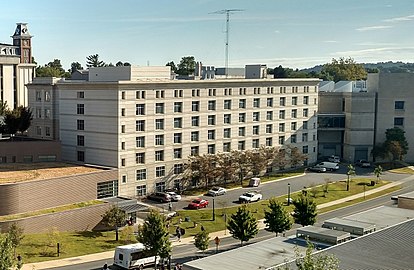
(288, 201)
(214, 214)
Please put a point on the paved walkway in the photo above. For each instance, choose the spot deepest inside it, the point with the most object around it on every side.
(221, 234)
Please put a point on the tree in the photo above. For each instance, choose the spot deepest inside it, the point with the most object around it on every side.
(93, 61)
(204, 167)
(315, 262)
(378, 172)
(6, 252)
(351, 171)
(226, 167)
(398, 135)
(280, 72)
(277, 220)
(114, 218)
(201, 240)
(25, 118)
(243, 225)
(395, 149)
(242, 160)
(186, 66)
(173, 66)
(16, 236)
(75, 66)
(344, 69)
(379, 151)
(296, 156)
(153, 234)
(52, 69)
(281, 160)
(3, 107)
(304, 211)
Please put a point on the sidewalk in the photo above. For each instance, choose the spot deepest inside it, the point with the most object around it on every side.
(184, 241)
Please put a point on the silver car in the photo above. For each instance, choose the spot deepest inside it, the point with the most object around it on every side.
(216, 191)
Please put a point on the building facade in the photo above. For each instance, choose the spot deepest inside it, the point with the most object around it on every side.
(147, 128)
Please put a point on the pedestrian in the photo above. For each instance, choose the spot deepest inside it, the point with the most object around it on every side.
(178, 232)
(170, 206)
(202, 228)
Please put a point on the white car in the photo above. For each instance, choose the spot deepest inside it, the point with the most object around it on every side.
(335, 159)
(174, 196)
(251, 196)
(216, 191)
(363, 163)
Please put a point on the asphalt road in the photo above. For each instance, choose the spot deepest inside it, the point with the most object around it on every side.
(188, 252)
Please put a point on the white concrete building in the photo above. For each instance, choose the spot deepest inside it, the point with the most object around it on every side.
(147, 127)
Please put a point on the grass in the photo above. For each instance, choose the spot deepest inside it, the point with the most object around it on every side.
(402, 170)
(50, 210)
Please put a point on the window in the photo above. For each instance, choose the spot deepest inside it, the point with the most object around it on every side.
(124, 179)
(269, 115)
(141, 190)
(211, 148)
(140, 158)
(305, 149)
(80, 109)
(178, 93)
(313, 137)
(305, 125)
(195, 106)
(282, 114)
(305, 112)
(195, 150)
(211, 105)
(242, 103)
(293, 138)
(242, 117)
(159, 139)
(140, 109)
(256, 130)
(293, 126)
(38, 96)
(159, 155)
(39, 130)
(195, 121)
(211, 92)
(81, 156)
(141, 174)
(194, 136)
(306, 100)
(140, 141)
(281, 140)
(178, 107)
(123, 111)
(178, 137)
(227, 119)
(178, 168)
(269, 128)
(81, 140)
(80, 124)
(159, 94)
(140, 125)
(227, 104)
(294, 89)
(39, 113)
(282, 127)
(269, 102)
(47, 131)
(178, 122)
(255, 143)
(159, 108)
(304, 137)
(227, 133)
(195, 92)
(269, 141)
(226, 147)
(399, 105)
(47, 96)
(256, 103)
(123, 95)
(160, 171)
(211, 134)
(140, 94)
(256, 116)
(294, 100)
(241, 145)
(294, 113)
(122, 128)
(159, 124)
(211, 120)
(282, 101)
(242, 131)
(399, 121)
(178, 152)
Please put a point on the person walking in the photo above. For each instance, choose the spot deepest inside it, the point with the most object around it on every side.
(178, 232)
(170, 207)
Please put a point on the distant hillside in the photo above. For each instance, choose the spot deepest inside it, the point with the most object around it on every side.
(388, 67)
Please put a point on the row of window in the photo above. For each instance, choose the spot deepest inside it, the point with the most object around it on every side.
(39, 131)
(47, 113)
(47, 97)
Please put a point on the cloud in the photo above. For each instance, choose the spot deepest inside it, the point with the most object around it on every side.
(330, 41)
(376, 44)
(276, 31)
(371, 28)
(376, 51)
(400, 19)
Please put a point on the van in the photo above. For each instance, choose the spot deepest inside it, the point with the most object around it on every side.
(254, 182)
(133, 256)
(330, 166)
(335, 159)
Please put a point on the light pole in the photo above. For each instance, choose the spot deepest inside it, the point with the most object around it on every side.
(214, 214)
(288, 201)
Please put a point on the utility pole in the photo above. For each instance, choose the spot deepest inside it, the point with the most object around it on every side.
(227, 12)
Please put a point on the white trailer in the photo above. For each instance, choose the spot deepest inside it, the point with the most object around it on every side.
(133, 256)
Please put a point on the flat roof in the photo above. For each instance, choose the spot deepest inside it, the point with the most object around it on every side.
(323, 232)
(409, 195)
(350, 223)
(21, 172)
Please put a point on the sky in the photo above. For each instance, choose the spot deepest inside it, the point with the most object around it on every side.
(291, 33)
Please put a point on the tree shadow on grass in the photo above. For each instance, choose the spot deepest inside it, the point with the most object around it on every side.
(89, 234)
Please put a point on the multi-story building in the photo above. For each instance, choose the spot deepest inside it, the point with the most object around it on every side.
(139, 120)
(16, 67)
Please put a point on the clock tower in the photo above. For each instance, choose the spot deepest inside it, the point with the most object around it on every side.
(23, 40)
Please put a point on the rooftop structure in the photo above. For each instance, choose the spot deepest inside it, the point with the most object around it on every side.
(351, 226)
(323, 235)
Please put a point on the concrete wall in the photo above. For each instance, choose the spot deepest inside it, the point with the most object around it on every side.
(407, 203)
(35, 148)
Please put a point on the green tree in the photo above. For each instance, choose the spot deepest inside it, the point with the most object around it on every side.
(93, 61)
(52, 69)
(280, 72)
(75, 66)
(173, 66)
(296, 156)
(304, 211)
(398, 135)
(186, 65)
(315, 262)
(395, 149)
(226, 167)
(16, 236)
(277, 220)
(3, 107)
(378, 171)
(17, 120)
(153, 234)
(114, 218)
(379, 151)
(351, 171)
(242, 225)
(201, 240)
(344, 69)
(6, 252)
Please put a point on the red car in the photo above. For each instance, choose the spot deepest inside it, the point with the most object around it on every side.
(198, 203)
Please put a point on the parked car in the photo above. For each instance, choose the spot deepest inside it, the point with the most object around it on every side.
(198, 203)
(317, 168)
(251, 196)
(329, 166)
(174, 196)
(363, 163)
(216, 191)
(160, 197)
(335, 159)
